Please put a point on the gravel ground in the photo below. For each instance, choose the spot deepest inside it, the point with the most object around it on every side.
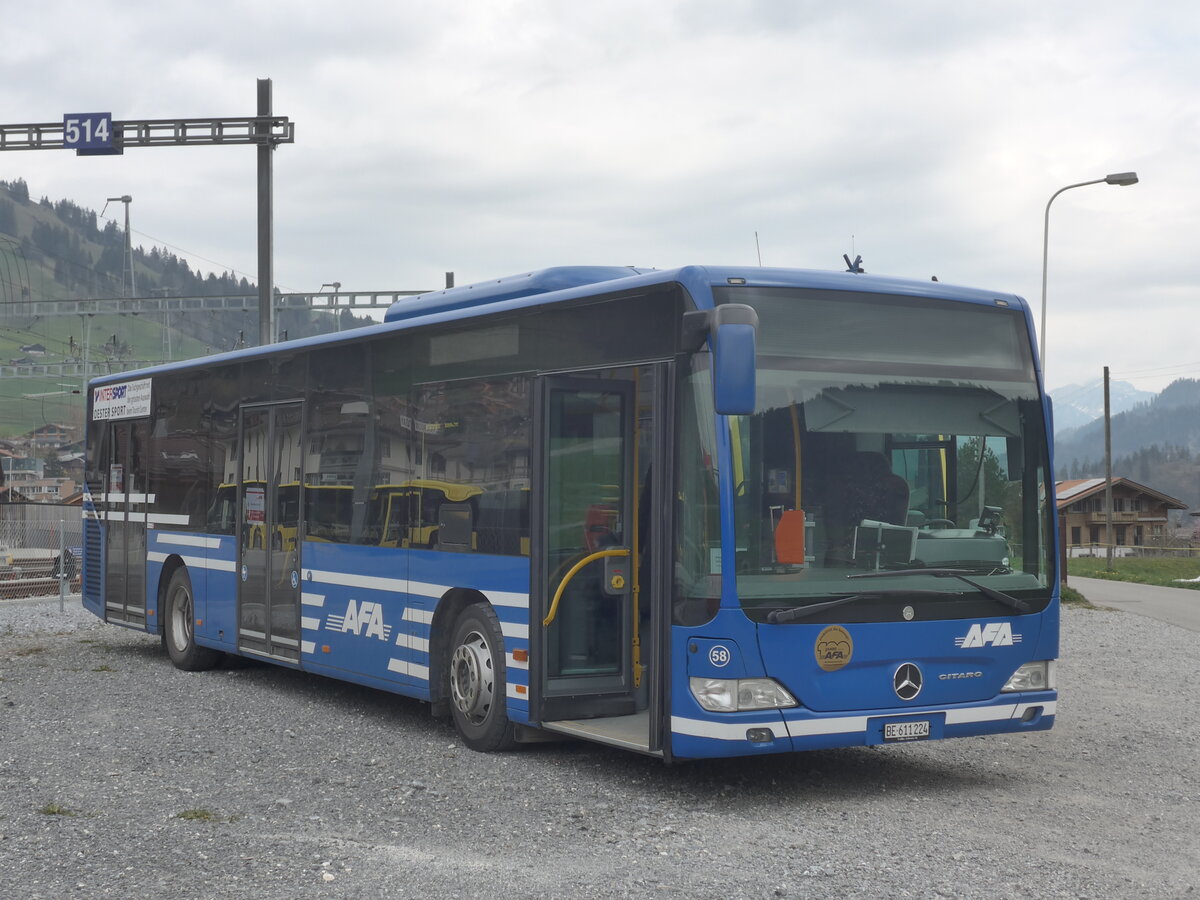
(123, 777)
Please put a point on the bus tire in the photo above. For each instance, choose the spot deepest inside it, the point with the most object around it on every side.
(477, 684)
(179, 632)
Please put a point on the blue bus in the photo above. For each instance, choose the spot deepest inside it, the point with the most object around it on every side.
(699, 512)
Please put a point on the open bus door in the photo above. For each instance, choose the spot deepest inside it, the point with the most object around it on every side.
(597, 669)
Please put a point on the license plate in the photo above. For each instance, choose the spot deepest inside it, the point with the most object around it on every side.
(906, 731)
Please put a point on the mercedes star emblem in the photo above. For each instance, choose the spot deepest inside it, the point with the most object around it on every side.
(907, 681)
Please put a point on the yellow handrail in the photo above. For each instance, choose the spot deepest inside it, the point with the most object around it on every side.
(590, 558)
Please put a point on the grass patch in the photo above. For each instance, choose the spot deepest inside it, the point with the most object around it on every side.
(104, 669)
(56, 809)
(29, 651)
(197, 815)
(1142, 570)
(1072, 597)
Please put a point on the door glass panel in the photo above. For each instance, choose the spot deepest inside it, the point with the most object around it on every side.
(114, 493)
(271, 472)
(137, 504)
(253, 491)
(586, 495)
(284, 565)
(126, 504)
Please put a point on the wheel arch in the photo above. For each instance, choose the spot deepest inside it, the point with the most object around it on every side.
(172, 564)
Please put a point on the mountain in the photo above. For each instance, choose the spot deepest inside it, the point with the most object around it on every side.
(1076, 405)
(1156, 443)
(57, 250)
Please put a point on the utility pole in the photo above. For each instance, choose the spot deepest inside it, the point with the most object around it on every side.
(266, 235)
(1108, 500)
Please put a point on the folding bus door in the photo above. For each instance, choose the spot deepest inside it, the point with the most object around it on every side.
(270, 483)
(124, 507)
(598, 671)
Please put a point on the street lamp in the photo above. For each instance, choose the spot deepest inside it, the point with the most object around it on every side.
(128, 255)
(1122, 178)
(337, 286)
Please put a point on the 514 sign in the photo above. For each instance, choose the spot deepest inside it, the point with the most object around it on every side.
(88, 132)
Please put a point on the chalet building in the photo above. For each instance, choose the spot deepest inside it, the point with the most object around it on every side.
(49, 436)
(1139, 513)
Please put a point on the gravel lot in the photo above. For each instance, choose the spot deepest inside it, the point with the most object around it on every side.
(123, 777)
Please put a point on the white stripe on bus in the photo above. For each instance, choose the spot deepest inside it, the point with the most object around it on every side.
(195, 562)
(188, 540)
(310, 623)
(141, 518)
(312, 599)
(419, 644)
(722, 731)
(497, 598)
(421, 616)
(407, 668)
(370, 582)
(515, 630)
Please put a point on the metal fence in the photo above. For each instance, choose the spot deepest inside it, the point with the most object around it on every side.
(41, 545)
(1140, 551)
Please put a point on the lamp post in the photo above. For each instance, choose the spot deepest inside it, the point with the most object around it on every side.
(337, 286)
(128, 256)
(1121, 178)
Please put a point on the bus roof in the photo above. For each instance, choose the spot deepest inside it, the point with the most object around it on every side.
(565, 283)
(565, 278)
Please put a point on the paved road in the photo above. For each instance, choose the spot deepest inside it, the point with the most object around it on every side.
(1178, 606)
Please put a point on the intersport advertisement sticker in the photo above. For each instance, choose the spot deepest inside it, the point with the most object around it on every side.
(126, 400)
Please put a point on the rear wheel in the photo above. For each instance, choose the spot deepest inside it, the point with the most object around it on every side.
(477, 684)
(179, 633)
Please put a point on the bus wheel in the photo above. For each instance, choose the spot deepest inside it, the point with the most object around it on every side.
(477, 685)
(179, 636)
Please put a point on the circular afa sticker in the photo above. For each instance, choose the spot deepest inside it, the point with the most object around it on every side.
(834, 648)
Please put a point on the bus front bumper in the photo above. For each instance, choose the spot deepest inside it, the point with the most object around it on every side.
(783, 731)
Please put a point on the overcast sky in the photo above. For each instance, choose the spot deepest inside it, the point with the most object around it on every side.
(488, 137)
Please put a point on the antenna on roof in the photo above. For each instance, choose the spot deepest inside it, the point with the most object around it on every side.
(855, 266)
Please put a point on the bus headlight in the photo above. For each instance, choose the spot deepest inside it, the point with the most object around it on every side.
(1033, 676)
(740, 694)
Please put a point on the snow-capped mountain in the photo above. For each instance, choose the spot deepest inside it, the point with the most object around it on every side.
(1077, 404)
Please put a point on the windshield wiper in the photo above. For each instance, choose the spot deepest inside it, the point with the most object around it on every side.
(794, 613)
(961, 574)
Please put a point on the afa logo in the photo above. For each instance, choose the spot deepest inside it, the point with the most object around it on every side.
(993, 634)
(363, 619)
(834, 648)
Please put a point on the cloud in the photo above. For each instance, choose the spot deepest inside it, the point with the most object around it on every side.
(489, 137)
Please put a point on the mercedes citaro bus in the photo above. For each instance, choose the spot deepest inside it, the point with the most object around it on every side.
(692, 513)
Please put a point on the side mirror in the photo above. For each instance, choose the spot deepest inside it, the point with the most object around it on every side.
(732, 329)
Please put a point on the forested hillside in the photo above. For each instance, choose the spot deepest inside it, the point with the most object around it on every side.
(58, 250)
(1155, 443)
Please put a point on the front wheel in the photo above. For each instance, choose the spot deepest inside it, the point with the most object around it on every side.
(477, 684)
(179, 633)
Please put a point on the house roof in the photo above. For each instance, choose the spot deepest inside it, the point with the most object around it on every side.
(1068, 492)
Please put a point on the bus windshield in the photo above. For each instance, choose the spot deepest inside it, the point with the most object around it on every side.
(895, 437)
